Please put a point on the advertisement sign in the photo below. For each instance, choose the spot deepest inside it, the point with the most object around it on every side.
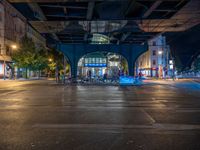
(95, 65)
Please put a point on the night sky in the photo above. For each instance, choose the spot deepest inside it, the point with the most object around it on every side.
(185, 46)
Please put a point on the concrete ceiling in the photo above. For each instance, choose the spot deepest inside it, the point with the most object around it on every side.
(124, 21)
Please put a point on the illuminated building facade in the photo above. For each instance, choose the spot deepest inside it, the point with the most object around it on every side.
(154, 62)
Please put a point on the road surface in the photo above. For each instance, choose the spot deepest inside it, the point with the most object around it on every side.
(41, 115)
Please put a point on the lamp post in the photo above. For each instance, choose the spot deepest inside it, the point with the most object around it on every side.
(4, 68)
(160, 65)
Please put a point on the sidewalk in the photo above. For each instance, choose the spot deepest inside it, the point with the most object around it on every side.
(28, 79)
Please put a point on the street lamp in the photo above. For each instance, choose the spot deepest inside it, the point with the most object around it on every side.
(160, 65)
(160, 52)
(50, 60)
(14, 47)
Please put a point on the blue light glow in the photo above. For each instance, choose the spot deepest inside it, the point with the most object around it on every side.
(126, 80)
(95, 65)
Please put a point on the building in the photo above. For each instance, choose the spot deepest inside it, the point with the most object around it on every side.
(37, 38)
(12, 29)
(155, 62)
(13, 26)
(100, 63)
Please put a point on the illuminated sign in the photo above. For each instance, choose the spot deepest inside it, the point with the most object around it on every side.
(95, 62)
(95, 65)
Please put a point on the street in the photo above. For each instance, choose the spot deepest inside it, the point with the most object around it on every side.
(41, 115)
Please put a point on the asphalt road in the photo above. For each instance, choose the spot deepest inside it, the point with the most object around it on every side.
(40, 115)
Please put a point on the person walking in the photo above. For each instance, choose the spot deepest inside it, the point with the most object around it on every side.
(58, 77)
(63, 78)
(140, 75)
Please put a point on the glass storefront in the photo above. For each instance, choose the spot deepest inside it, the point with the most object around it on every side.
(96, 65)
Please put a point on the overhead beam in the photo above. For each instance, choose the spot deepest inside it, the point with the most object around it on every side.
(60, 6)
(65, 16)
(152, 8)
(125, 36)
(55, 1)
(130, 6)
(35, 8)
(90, 10)
(89, 15)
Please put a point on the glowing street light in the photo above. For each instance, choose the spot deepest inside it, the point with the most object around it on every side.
(50, 60)
(160, 52)
(14, 46)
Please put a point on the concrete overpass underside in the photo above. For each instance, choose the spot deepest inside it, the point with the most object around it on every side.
(73, 23)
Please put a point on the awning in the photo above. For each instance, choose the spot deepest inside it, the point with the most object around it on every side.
(6, 58)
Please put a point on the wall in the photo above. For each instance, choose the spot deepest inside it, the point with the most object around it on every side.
(35, 36)
(13, 26)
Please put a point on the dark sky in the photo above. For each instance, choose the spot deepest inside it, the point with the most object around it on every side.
(185, 46)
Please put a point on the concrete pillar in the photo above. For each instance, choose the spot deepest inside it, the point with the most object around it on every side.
(131, 68)
(74, 72)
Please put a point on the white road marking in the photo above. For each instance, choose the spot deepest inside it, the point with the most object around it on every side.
(149, 116)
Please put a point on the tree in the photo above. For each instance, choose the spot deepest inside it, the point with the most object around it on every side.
(197, 65)
(57, 61)
(30, 57)
(40, 61)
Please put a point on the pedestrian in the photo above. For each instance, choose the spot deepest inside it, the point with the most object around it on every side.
(140, 75)
(104, 77)
(58, 77)
(63, 77)
(90, 75)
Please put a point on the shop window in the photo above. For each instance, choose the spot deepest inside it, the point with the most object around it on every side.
(100, 61)
(104, 60)
(93, 60)
(97, 60)
(86, 60)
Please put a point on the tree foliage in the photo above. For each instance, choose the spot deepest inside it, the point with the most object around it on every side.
(29, 56)
(197, 65)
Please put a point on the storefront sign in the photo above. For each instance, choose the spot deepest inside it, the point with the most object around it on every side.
(95, 65)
